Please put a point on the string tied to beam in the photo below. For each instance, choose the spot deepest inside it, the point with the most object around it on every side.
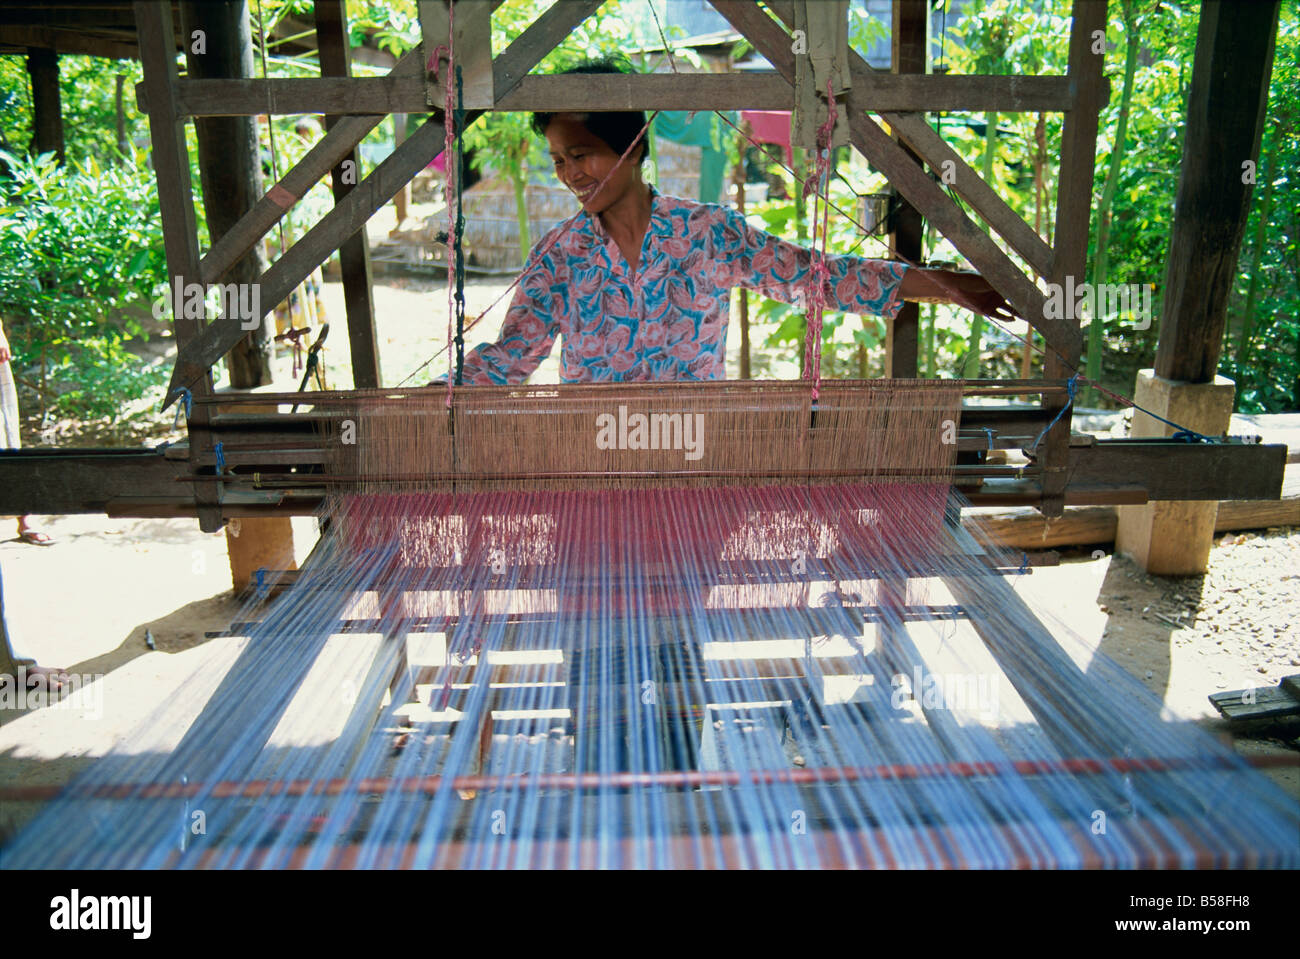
(819, 275)
(187, 398)
(1072, 387)
(219, 449)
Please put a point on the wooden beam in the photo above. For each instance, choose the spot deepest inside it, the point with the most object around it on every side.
(935, 205)
(1170, 470)
(67, 41)
(171, 163)
(354, 252)
(375, 190)
(66, 481)
(1225, 120)
(47, 109)
(647, 91)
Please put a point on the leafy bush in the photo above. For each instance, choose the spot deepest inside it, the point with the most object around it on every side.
(80, 247)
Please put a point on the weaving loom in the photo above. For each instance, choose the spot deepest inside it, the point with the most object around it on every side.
(653, 626)
(783, 653)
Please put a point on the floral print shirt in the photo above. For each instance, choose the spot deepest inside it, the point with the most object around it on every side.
(669, 320)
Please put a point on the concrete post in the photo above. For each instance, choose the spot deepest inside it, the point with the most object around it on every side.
(1174, 538)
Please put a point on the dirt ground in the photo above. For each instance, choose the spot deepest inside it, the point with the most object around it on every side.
(87, 603)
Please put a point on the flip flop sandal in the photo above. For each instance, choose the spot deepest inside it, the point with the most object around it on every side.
(36, 538)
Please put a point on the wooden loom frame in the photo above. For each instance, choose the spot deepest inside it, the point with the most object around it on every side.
(1068, 470)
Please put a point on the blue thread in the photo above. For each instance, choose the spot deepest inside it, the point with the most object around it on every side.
(1024, 564)
(989, 431)
(1071, 387)
(261, 582)
(186, 397)
(221, 458)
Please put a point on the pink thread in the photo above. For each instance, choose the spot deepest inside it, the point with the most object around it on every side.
(452, 169)
(281, 197)
(819, 274)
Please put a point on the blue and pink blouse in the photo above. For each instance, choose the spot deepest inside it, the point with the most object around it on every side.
(669, 321)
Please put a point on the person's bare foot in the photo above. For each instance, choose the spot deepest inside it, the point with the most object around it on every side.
(33, 537)
(33, 675)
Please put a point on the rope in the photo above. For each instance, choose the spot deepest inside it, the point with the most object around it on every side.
(449, 136)
(188, 399)
(1071, 387)
(819, 186)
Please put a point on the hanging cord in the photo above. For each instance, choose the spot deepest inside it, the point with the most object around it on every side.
(460, 227)
(819, 275)
(533, 257)
(275, 163)
(451, 195)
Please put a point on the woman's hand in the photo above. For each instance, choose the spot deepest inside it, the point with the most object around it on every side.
(967, 290)
(5, 353)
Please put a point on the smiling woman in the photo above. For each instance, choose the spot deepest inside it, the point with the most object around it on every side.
(638, 285)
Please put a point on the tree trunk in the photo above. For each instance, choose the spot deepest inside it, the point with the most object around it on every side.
(230, 164)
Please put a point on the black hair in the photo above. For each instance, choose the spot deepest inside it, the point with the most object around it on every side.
(618, 128)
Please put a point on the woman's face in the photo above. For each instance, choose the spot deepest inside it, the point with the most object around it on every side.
(583, 159)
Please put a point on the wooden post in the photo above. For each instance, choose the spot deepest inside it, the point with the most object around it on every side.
(1225, 118)
(230, 166)
(47, 110)
(1073, 213)
(354, 252)
(171, 163)
(911, 37)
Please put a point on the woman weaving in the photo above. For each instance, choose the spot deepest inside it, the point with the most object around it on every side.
(639, 286)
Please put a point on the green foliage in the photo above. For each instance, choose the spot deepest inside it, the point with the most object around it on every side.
(80, 247)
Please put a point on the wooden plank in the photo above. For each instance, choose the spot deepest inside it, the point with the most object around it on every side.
(332, 149)
(71, 481)
(721, 91)
(1182, 471)
(171, 165)
(374, 191)
(1225, 120)
(935, 205)
(66, 41)
(354, 252)
(280, 96)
